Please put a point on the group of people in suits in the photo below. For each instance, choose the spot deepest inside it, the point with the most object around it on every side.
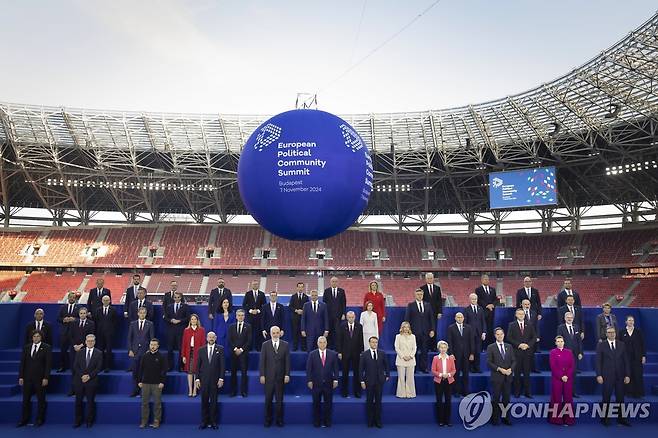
(337, 343)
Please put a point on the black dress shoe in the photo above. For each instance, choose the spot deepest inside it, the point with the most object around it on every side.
(575, 396)
(61, 370)
(106, 370)
(378, 425)
(528, 396)
(22, 424)
(214, 426)
(76, 425)
(202, 426)
(133, 394)
(39, 423)
(244, 394)
(441, 424)
(507, 422)
(70, 394)
(517, 395)
(326, 425)
(279, 424)
(357, 395)
(449, 424)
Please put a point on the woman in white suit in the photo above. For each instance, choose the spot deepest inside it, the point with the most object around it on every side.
(368, 320)
(405, 361)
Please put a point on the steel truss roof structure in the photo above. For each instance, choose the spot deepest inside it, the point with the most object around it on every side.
(74, 162)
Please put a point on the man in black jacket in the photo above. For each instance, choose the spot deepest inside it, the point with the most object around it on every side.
(140, 302)
(575, 310)
(33, 376)
(522, 336)
(419, 315)
(177, 316)
(374, 371)
(296, 306)
(527, 292)
(432, 295)
(68, 313)
(106, 320)
(460, 342)
(474, 316)
(152, 375)
(239, 339)
(41, 325)
(334, 298)
(210, 377)
(613, 371)
(252, 303)
(501, 361)
(567, 291)
(217, 296)
(86, 367)
(350, 347)
(274, 370)
(488, 300)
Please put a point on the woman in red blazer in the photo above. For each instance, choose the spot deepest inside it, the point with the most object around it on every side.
(443, 370)
(194, 337)
(379, 304)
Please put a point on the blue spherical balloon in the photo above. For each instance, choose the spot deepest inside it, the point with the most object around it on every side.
(305, 175)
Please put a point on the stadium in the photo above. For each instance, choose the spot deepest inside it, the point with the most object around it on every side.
(89, 194)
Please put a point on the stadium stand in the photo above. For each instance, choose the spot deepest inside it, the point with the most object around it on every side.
(349, 249)
(404, 250)
(49, 287)
(66, 246)
(292, 254)
(237, 245)
(124, 244)
(12, 243)
(182, 243)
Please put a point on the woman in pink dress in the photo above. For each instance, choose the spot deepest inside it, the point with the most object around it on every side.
(562, 367)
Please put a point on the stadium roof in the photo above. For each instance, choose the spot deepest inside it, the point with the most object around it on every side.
(600, 115)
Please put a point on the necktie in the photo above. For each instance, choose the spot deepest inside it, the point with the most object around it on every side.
(39, 325)
(571, 330)
(374, 355)
(273, 306)
(334, 292)
(351, 330)
(81, 324)
(612, 345)
(210, 354)
(571, 310)
(461, 333)
(322, 356)
(34, 349)
(105, 311)
(521, 328)
(315, 307)
(276, 347)
(486, 289)
(176, 308)
(88, 356)
(431, 289)
(420, 307)
(300, 297)
(141, 304)
(607, 321)
(527, 291)
(502, 350)
(240, 328)
(475, 309)
(141, 326)
(527, 315)
(70, 308)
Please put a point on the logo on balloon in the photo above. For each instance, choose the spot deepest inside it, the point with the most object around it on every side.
(267, 135)
(305, 175)
(475, 410)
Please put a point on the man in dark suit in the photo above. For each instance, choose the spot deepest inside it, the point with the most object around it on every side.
(576, 312)
(374, 371)
(531, 317)
(210, 377)
(322, 379)
(239, 339)
(296, 306)
(140, 333)
(106, 320)
(422, 321)
(274, 370)
(315, 321)
(432, 295)
(633, 340)
(176, 316)
(522, 336)
(350, 347)
(474, 317)
(567, 291)
(41, 325)
(605, 320)
(79, 331)
(252, 303)
(141, 301)
(336, 301)
(66, 318)
(613, 372)
(571, 333)
(131, 294)
(95, 299)
(168, 297)
(86, 367)
(33, 376)
(272, 314)
(461, 343)
(488, 300)
(527, 292)
(501, 362)
(217, 296)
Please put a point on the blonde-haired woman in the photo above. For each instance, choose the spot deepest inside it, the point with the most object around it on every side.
(443, 370)
(405, 361)
(194, 337)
